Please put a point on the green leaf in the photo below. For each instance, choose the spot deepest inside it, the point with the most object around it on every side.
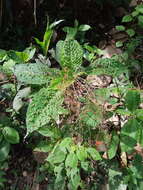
(81, 153)
(1, 137)
(3, 55)
(113, 145)
(60, 178)
(140, 20)
(39, 42)
(129, 135)
(34, 73)
(140, 136)
(130, 32)
(75, 178)
(4, 150)
(50, 131)
(40, 100)
(139, 8)
(11, 135)
(130, 128)
(66, 143)
(120, 28)
(17, 102)
(46, 106)
(8, 67)
(26, 55)
(85, 165)
(71, 160)
(123, 112)
(127, 143)
(70, 54)
(94, 154)
(119, 44)
(139, 114)
(43, 146)
(135, 13)
(132, 100)
(71, 32)
(127, 18)
(46, 40)
(57, 156)
(84, 27)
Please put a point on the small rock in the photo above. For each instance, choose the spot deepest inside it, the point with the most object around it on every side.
(99, 81)
(3, 77)
(133, 3)
(119, 36)
(102, 26)
(24, 173)
(102, 44)
(40, 156)
(111, 50)
(113, 31)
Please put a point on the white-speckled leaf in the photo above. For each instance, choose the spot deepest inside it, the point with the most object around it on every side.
(33, 73)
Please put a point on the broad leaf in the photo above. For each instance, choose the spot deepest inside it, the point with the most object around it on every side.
(50, 131)
(66, 144)
(3, 54)
(132, 100)
(11, 135)
(127, 18)
(43, 146)
(127, 143)
(35, 109)
(75, 179)
(57, 156)
(139, 114)
(26, 55)
(4, 150)
(46, 106)
(71, 160)
(139, 8)
(129, 134)
(130, 32)
(17, 102)
(81, 153)
(130, 128)
(120, 28)
(32, 73)
(94, 154)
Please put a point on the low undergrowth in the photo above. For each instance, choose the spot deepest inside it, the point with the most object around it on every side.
(83, 122)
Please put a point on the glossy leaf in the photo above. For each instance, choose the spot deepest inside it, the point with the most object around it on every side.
(120, 28)
(130, 32)
(11, 135)
(84, 27)
(127, 18)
